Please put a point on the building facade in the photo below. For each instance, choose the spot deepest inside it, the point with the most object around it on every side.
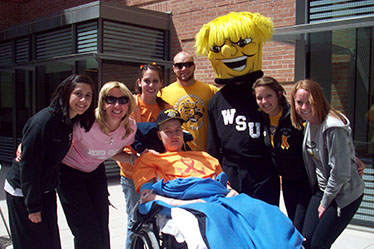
(42, 42)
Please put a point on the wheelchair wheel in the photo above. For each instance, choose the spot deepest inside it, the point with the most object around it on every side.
(144, 239)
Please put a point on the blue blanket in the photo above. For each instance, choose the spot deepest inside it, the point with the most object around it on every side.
(235, 222)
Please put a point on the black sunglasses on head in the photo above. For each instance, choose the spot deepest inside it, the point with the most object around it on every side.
(113, 100)
(180, 65)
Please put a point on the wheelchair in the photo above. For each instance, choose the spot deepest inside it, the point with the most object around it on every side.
(146, 234)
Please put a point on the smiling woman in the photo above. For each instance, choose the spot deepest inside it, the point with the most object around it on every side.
(80, 99)
(83, 186)
(284, 144)
(149, 83)
(330, 163)
(30, 183)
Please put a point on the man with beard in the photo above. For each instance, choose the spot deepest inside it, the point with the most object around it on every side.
(190, 97)
(233, 43)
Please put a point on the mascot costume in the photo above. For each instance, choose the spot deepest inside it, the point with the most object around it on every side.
(233, 44)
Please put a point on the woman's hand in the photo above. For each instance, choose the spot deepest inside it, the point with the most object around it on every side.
(18, 153)
(321, 211)
(360, 166)
(35, 217)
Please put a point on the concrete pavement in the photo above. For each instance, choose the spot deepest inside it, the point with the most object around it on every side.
(354, 237)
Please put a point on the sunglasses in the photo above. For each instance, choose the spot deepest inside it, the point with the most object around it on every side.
(184, 64)
(113, 100)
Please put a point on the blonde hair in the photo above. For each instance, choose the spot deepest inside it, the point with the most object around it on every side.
(321, 107)
(100, 112)
(233, 26)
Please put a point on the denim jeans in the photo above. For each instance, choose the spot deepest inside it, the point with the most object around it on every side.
(132, 198)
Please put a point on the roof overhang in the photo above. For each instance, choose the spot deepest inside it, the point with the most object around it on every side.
(90, 11)
(290, 34)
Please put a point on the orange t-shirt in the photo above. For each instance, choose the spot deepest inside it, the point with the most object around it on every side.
(142, 113)
(173, 165)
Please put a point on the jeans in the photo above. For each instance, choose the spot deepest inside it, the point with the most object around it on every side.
(132, 198)
(321, 233)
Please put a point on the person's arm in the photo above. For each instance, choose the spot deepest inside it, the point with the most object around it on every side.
(35, 142)
(147, 195)
(214, 143)
(123, 156)
(339, 161)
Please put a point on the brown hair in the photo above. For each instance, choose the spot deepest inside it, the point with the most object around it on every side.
(321, 107)
(143, 68)
(273, 84)
(61, 97)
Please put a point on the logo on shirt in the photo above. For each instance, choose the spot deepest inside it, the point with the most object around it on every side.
(191, 108)
(102, 154)
(190, 166)
(285, 144)
(241, 124)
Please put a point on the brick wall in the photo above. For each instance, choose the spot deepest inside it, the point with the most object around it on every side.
(10, 13)
(122, 73)
(187, 18)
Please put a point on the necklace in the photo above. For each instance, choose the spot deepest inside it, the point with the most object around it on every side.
(110, 141)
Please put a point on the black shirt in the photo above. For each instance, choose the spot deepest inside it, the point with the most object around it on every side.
(235, 134)
(45, 142)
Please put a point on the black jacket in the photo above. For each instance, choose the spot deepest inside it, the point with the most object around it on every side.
(287, 151)
(45, 142)
(235, 133)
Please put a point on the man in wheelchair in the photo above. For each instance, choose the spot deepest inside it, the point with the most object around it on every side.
(194, 194)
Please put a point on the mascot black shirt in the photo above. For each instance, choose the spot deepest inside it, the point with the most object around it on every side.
(235, 134)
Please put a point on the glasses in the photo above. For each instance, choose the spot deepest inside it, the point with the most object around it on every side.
(113, 100)
(180, 65)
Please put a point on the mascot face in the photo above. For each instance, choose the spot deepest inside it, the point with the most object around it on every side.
(233, 43)
(236, 58)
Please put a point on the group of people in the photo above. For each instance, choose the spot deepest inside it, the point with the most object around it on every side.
(246, 129)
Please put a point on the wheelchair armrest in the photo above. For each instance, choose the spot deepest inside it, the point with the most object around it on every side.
(145, 218)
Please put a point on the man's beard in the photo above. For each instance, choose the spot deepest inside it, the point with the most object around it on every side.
(186, 79)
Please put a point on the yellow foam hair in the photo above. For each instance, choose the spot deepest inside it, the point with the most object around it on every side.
(233, 26)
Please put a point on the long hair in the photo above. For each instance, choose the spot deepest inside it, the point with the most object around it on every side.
(321, 107)
(100, 114)
(61, 96)
(274, 85)
(233, 26)
(143, 68)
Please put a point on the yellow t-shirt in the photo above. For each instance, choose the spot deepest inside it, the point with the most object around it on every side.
(142, 113)
(173, 165)
(274, 121)
(192, 103)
